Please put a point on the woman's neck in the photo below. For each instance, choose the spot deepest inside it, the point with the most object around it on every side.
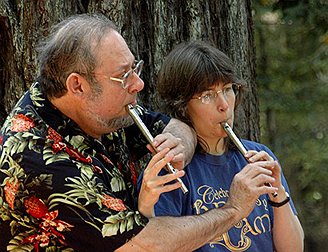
(216, 146)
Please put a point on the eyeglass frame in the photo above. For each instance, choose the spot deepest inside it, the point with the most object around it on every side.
(236, 92)
(139, 64)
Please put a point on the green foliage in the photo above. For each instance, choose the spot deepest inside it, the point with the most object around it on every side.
(292, 50)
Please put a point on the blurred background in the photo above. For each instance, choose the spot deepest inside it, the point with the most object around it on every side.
(291, 40)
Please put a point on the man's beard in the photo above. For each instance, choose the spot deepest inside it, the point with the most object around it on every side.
(114, 124)
(120, 122)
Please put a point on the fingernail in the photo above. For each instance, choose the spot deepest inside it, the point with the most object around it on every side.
(179, 172)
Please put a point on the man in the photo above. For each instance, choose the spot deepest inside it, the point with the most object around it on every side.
(70, 155)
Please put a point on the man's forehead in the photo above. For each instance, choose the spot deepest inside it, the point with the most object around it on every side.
(113, 48)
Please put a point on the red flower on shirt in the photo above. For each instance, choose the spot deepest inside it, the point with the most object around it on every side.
(133, 173)
(106, 159)
(58, 146)
(113, 203)
(35, 207)
(49, 226)
(38, 239)
(97, 169)
(21, 123)
(77, 155)
(10, 192)
(49, 223)
(54, 135)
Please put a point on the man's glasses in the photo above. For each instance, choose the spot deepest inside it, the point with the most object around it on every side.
(127, 77)
(228, 91)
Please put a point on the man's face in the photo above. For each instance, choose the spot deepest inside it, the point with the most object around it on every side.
(105, 111)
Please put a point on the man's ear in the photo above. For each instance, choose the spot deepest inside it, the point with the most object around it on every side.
(77, 85)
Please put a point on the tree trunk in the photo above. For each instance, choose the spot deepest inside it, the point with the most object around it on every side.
(150, 27)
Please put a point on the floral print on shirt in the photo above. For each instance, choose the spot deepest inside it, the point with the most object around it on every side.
(62, 190)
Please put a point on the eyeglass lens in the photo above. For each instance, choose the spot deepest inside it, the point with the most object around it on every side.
(208, 98)
(137, 70)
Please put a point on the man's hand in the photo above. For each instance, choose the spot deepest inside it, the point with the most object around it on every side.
(153, 185)
(249, 184)
(167, 140)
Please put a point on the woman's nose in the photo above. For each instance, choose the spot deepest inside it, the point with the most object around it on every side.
(222, 102)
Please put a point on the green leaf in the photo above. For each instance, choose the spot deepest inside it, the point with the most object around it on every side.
(109, 229)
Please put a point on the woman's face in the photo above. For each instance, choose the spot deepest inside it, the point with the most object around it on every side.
(210, 108)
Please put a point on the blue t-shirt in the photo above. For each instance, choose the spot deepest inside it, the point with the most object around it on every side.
(208, 178)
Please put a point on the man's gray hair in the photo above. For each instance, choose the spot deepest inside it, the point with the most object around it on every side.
(70, 49)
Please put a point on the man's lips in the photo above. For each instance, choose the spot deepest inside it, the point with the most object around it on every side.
(226, 120)
(133, 103)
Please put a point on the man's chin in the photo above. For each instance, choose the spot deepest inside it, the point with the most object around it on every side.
(121, 122)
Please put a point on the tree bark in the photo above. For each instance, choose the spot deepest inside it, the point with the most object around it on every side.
(151, 28)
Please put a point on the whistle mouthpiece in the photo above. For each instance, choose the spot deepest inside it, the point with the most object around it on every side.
(234, 138)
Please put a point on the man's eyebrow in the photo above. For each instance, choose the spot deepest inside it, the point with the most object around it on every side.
(132, 64)
(123, 66)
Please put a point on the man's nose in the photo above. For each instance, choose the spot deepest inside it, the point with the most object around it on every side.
(137, 84)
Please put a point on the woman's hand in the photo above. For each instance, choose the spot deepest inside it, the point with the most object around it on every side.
(254, 156)
(153, 185)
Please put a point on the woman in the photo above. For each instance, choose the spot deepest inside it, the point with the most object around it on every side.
(199, 86)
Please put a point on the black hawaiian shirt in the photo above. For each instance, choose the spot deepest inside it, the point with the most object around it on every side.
(62, 190)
